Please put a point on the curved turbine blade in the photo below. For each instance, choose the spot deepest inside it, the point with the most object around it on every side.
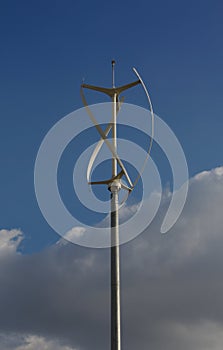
(152, 127)
(111, 91)
(102, 134)
(100, 143)
(107, 182)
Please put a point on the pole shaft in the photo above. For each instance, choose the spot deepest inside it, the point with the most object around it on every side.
(114, 135)
(115, 276)
(113, 73)
(115, 259)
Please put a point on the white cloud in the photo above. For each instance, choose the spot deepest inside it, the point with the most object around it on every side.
(205, 335)
(9, 241)
(30, 342)
(171, 284)
(33, 342)
(75, 232)
(213, 173)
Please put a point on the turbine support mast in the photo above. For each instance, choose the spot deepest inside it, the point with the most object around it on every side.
(114, 185)
(113, 73)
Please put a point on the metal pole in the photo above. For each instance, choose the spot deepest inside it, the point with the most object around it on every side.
(115, 273)
(113, 73)
(114, 187)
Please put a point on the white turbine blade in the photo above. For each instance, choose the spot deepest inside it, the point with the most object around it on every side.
(120, 89)
(152, 126)
(117, 177)
(102, 134)
(110, 91)
(106, 91)
(105, 182)
(96, 151)
(126, 187)
(100, 143)
(93, 157)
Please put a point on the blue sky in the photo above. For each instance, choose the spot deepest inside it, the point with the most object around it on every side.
(48, 47)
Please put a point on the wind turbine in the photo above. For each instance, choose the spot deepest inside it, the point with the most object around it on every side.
(114, 185)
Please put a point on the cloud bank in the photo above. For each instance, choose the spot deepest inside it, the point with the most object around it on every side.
(172, 285)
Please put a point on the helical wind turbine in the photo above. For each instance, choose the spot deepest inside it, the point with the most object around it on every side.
(115, 183)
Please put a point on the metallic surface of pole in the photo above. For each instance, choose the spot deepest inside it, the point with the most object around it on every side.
(113, 73)
(115, 272)
(114, 187)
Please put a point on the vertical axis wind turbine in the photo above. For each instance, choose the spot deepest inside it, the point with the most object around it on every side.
(114, 185)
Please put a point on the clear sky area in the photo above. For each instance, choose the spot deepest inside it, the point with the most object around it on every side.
(55, 295)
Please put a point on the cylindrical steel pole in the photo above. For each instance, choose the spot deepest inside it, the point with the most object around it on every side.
(115, 271)
(115, 259)
(113, 73)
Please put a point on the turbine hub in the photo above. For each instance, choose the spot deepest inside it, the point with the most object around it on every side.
(115, 185)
